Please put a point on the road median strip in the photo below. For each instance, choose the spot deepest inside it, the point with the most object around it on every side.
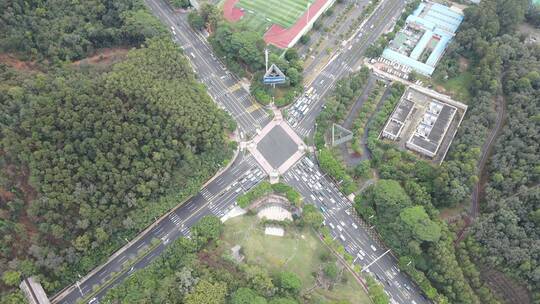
(125, 267)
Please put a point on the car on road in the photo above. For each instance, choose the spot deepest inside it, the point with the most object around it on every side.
(373, 248)
(93, 301)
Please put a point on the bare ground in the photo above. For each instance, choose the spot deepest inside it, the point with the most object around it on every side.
(507, 289)
(17, 64)
(104, 57)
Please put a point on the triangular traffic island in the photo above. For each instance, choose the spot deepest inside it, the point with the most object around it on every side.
(340, 135)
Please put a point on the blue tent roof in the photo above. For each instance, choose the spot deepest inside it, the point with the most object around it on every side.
(420, 67)
(421, 45)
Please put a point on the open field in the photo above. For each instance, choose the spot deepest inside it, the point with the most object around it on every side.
(298, 251)
(458, 86)
(281, 12)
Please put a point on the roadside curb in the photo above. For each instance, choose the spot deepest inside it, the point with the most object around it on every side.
(333, 54)
(62, 293)
(357, 277)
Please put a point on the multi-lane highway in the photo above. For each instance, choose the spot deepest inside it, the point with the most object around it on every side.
(358, 239)
(218, 196)
(346, 61)
(224, 87)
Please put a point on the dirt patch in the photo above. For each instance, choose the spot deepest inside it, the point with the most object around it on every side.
(213, 260)
(5, 195)
(447, 214)
(19, 65)
(19, 178)
(463, 64)
(507, 289)
(105, 56)
(440, 89)
(532, 33)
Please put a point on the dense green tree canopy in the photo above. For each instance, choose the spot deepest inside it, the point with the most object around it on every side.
(207, 292)
(69, 30)
(100, 151)
(421, 225)
(208, 228)
(289, 282)
(246, 296)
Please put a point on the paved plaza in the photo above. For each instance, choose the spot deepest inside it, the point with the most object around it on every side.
(277, 147)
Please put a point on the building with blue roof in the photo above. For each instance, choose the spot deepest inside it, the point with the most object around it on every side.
(430, 28)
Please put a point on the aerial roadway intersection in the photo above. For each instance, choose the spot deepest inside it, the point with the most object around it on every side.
(271, 147)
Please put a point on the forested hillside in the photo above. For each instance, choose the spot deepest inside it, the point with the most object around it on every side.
(503, 67)
(509, 229)
(474, 42)
(88, 159)
(69, 30)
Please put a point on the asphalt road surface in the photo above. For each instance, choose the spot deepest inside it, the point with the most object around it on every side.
(346, 61)
(358, 239)
(223, 86)
(333, 38)
(219, 196)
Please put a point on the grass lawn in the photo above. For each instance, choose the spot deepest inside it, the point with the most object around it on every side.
(457, 86)
(254, 23)
(297, 251)
(282, 12)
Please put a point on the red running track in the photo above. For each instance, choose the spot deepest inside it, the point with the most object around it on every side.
(230, 12)
(277, 35)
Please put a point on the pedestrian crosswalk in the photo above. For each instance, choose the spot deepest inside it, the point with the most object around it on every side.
(237, 86)
(254, 107)
(173, 217)
(206, 194)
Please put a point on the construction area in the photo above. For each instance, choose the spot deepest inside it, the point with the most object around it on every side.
(421, 43)
(424, 122)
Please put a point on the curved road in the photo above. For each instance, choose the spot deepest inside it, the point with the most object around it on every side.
(219, 195)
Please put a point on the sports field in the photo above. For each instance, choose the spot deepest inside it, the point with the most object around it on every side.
(282, 12)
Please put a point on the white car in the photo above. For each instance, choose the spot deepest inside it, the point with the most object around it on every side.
(93, 301)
